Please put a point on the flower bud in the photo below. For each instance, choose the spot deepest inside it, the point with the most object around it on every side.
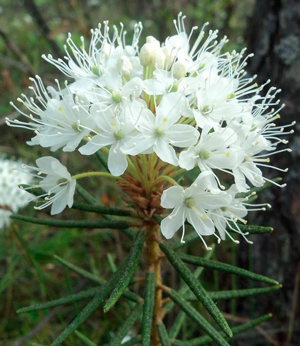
(158, 59)
(153, 41)
(179, 69)
(145, 54)
(124, 66)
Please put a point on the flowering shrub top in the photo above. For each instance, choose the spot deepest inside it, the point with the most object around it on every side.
(11, 197)
(158, 111)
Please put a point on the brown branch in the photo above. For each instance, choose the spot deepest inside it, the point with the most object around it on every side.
(41, 23)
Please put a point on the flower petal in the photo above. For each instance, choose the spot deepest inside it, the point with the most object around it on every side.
(165, 152)
(172, 197)
(171, 224)
(199, 220)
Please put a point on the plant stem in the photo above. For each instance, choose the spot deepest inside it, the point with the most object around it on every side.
(153, 259)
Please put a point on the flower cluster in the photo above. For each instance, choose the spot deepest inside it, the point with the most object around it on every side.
(11, 197)
(187, 106)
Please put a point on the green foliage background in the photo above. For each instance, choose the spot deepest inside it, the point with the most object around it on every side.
(28, 271)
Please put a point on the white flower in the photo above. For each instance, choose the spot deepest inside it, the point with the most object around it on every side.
(104, 53)
(113, 93)
(192, 204)
(61, 124)
(12, 198)
(213, 151)
(159, 131)
(56, 181)
(115, 130)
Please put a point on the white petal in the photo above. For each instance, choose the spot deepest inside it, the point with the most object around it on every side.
(117, 162)
(202, 224)
(171, 224)
(138, 144)
(187, 158)
(165, 152)
(96, 143)
(154, 87)
(169, 108)
(209, 200)
(182, 135)
(172, 197)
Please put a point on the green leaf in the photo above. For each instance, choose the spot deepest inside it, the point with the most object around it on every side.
(84, 339)
(163, 334)
(128, 295)
(130, 267)
(196, 317)
(94, 208)
(185, 288)
(61, 301)
(102, 293)
(252, 229)
(102, 160)
(85, 194)
(149, 299)
(238, 293)
(73, 223)
(111, 262)
(196, 287)
(8, 278)
(177, 324)
(257, 190)
(39, 272)
(124, 329)
(179, 343)
(205, 340)
(226, 268)
(187, 240)
(135, 340)
(80, 271)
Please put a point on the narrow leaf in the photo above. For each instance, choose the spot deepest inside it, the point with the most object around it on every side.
(61, 301)
(98, 299)
(219, 295)
(179, 343)
(163, 334)
(252, 229)
(185, 288)
(8, 278)
(84, 339)
(149, 298)
(39, 272)
(226, 268)
(177, 324)
(266, 185)
(102, 293)
(124, 329)
(130, 267)
(196, 317)
(73, 223)
(196, 288)
(205, 340)
(128, 295)
(80, 271)
(187, 240)
(135, 340)
(85, 194)
(94, 208)
(102, 160)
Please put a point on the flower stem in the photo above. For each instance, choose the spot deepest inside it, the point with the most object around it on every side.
(92, 174)
(153, 258)
(165, 178)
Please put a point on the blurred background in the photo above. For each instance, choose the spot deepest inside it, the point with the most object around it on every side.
(28, 272)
